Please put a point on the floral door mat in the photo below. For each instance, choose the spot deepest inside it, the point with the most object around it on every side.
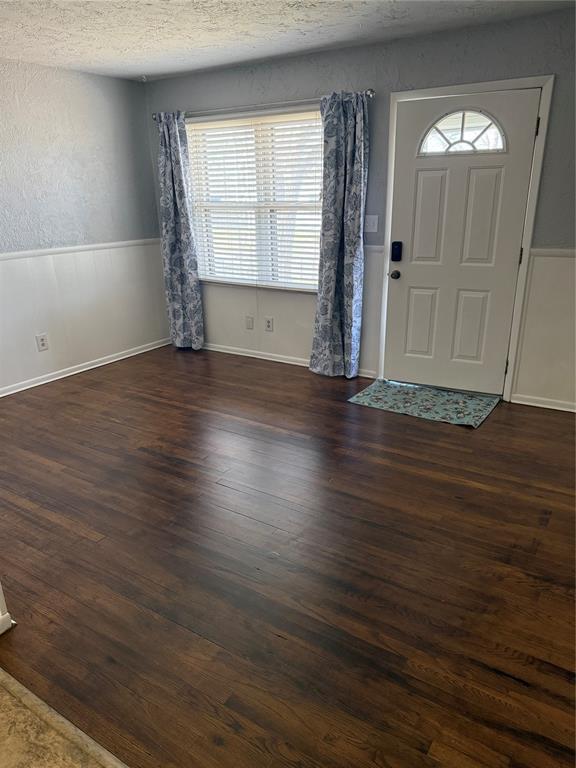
(432, 403)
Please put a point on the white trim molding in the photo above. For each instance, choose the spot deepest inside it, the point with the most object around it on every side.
(562, 253)
(258, 354)
(73, 369)
(301, 361)
(546, 84)
(544, 402)
(465, 89)
(260, 286)
(9, 256)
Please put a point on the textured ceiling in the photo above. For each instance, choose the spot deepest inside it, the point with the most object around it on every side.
(162, 37)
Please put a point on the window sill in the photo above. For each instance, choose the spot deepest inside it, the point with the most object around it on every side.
(270, 286)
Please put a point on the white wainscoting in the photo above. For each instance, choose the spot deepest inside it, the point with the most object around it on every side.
(226, 307)
(546, 364)
(97, 303)
(101, 303)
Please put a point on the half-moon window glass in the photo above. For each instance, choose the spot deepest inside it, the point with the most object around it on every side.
(463, 131)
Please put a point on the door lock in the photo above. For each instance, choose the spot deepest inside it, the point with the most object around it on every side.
(395, 274)
(396, 251)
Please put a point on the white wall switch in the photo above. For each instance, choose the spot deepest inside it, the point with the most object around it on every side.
(42, 342)
(269, 324)
(249, 323)
(371, 223)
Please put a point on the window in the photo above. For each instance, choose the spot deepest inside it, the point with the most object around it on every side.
(256, 193)
(463, 132)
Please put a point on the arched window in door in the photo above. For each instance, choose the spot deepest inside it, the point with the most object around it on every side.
(463, 131)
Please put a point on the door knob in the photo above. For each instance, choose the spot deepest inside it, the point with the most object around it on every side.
(395, 275)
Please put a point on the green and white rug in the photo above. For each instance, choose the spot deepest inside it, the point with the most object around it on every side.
(432, 403)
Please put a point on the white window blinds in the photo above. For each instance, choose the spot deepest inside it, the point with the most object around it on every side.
(256, 189)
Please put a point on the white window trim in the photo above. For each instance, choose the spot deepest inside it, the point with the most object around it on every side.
(212, 116)
(263, 286)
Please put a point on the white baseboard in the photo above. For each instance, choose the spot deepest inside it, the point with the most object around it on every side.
(62, 373)
(302, 361)
(257, 353)
(544, 402)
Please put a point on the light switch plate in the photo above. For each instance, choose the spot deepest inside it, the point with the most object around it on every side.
(371, 223)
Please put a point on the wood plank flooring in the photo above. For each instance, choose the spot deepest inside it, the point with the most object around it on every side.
(217, 562)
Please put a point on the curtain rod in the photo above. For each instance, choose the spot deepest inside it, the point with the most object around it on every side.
(370, 93)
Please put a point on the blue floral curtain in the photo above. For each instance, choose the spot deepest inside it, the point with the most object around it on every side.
(338, 323)
(183, 295)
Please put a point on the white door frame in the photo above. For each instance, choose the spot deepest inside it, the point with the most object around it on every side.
(546, 83)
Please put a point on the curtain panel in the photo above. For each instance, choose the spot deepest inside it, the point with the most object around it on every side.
(338, 321)
(183, 292)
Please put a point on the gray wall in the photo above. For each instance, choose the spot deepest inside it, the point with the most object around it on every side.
(533, 46)
(74, 165)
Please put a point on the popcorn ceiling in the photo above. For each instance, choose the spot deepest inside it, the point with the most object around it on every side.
(152, 38)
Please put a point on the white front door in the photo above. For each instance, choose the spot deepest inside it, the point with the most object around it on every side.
(462, 169)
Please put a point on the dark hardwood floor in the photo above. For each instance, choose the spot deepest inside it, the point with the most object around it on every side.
(219, 562)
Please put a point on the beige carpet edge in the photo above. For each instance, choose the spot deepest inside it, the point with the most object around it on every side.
(59, 723)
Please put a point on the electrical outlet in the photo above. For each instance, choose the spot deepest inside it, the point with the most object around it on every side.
(269, 324)
(249, 323)
(371, 223)
(42, 342)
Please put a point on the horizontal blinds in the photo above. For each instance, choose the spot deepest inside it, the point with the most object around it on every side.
(256, 198)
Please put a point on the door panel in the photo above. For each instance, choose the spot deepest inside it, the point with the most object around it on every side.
(483, 204)
(429, 215)
(470, 325)
(460, 216)
(421, 322)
